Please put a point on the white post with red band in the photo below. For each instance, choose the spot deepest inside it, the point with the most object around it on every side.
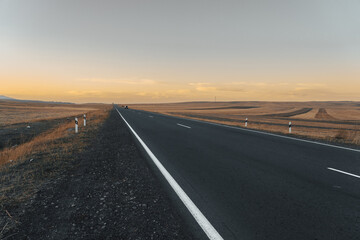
(84, 120)
(246, 120)
(289, 127)
(76, 125)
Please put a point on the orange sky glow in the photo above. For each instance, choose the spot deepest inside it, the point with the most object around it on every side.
(128, 52)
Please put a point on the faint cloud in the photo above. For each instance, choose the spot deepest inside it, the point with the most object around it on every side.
(206, 89)
(142, 81)
(165, 93)
(310, 86)
(203, 87)
(84, 93)
(230, 89)
(212, 87)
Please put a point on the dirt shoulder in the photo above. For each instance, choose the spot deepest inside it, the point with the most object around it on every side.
(108, 192)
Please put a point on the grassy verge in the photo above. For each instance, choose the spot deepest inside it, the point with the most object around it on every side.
(25, 168)
(340, 136)
(337, 122)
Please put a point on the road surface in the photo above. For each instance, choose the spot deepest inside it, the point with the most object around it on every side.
(251, 185)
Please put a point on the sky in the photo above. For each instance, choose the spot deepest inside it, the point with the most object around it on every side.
(172, 51)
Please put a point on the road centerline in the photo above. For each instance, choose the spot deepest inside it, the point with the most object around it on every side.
(343, 172)
(182, 125)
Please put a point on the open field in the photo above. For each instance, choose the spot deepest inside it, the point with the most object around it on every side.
(22, 121)
(12, 112)
(41, 142)
(330, 121)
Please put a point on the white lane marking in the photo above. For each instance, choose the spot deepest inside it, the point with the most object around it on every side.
(183, 125)
(151, 116)
(343, 172)
(209, 230)
(275, 135)
(265, 133)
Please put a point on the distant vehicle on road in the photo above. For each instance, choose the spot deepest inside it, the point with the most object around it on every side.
(126, 107)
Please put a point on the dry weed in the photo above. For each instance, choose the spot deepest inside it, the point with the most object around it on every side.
(43, 142)
(42, 158)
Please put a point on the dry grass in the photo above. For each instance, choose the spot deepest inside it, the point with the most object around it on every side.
(42, 158)
(46, 141)
(38, 144)
(16, 112)
(26, 167)
(331, 121)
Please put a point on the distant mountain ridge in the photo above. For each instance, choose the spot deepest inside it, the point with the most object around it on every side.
(2, 97)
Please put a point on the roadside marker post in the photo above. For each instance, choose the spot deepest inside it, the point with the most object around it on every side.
(246, 120)
(289, 127)
(76, 125)
(84, 120)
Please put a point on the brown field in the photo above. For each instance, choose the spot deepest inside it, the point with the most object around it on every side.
(41, 142)
(26, 167)
(16, 112)
(330, 121)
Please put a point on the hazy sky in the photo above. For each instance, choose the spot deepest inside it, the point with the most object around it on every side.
(165, 51)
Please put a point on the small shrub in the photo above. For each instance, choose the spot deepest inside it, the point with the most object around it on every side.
(342, 135)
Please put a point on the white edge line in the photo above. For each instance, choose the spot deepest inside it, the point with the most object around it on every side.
(209, 230)
(265, 133)
(343, 172)
(183, 125)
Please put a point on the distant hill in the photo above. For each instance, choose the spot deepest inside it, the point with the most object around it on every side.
(2, 97)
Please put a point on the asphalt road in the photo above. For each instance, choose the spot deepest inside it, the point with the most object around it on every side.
(251, 185)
